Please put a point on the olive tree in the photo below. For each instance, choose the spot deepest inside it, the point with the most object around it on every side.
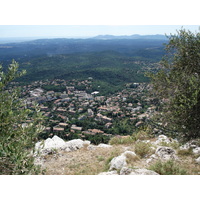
(177, 85)
(17, 136)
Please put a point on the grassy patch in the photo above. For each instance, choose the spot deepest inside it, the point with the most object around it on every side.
(169, 167)
(122, 140)
(185, 152)
(143, 149)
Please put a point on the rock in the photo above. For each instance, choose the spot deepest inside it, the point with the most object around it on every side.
(166, 153)
(50, 145)
(143, 172)
(198, 160)
(152, 158)
(131, 153)
(118, 162)
(162, 138)
(191, 144)
(104, 145)
(91, 147)
(125, 171)
(109, 173)
(129, 171)
(76, 144)
(196, 150)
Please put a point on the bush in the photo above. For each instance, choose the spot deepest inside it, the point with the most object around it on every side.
(177, 85)
(16, 137)
(121, 140)
(167, 168)
(143, 149)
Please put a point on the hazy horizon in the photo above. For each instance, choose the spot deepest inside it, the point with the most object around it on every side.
(86, 31)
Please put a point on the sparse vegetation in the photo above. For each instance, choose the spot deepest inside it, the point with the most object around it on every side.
(121, 140)
(143, 149)
(169, 167)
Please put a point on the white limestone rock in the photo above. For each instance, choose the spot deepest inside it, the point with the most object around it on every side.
(152, 158)
(131, 153)
(118, 162)
(109, 173)
(50, 145)
(125, 171)
(166, 153)
(76, 144)
(196, 150)
(143, 172)
(91, 147)
(162, 138)
(198, 160)
(104, 145)
(191, 144)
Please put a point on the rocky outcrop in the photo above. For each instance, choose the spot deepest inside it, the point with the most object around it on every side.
(129, 171)
(164, 139)
(189, 145)
(109, 173)
(166, 153)
(196, 150)
(143, 172)
(51, 145)
(118, 162)
(104, 146)
(198, 160)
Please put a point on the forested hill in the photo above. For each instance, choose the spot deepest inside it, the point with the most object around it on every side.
(141, 46)
(108, 67)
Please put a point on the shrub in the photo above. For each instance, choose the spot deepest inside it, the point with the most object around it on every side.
(16, 137)
(143, 149)
(169, 167)
(121, 140)
(185, 152)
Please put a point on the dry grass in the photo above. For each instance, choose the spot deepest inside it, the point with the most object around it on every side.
(81, 162)
(92, 162)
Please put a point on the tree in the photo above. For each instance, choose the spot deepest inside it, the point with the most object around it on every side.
(177, 85)
(17, 137)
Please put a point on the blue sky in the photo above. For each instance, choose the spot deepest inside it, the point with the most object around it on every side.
(87, 30)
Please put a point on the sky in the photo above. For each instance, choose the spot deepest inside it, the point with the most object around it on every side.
(74, 31)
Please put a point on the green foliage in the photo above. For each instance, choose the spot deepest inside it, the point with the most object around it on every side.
(121, 140)
(16, 136)
(143, 149)
(169, 167)
(178, 85)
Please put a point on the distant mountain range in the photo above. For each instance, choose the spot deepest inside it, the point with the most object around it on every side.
(99, 37)
(136, 36)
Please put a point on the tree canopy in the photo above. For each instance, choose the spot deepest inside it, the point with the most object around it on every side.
(177, 85)
(17, 136)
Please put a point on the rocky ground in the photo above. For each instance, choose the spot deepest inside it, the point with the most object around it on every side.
(155, 156)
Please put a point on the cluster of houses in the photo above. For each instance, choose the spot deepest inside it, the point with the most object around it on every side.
(75, 111)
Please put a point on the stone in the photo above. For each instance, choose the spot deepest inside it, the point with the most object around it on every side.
(196, 150)
(109, 173)
(152, 158)
(198, 160)
(118, 162)
(91, 147)
(166, 153)
(104, 145)
(191, 144)
(131, 153)
(162, 138)
(76, 144)
(50, 145)
(143, 172)
(125, 171)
